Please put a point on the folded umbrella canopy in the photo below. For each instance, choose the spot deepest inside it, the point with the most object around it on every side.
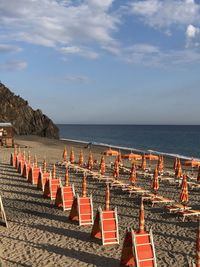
(184, 196)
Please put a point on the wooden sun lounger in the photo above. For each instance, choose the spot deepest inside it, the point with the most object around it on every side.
(193, 185)
(176, 208)
(189, 213)
(135, 190)
(153, 199)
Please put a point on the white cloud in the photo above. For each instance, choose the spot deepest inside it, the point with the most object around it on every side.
(84, 52)
(191, 31)
(6, 48)
(13, 65)
(59, 23)
(76, 79)
(158, 13)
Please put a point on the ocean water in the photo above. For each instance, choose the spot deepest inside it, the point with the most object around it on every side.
(175, 140)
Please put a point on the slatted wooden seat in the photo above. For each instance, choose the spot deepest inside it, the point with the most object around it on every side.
(64, 197)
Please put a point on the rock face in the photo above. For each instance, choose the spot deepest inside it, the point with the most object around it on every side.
(25, 120)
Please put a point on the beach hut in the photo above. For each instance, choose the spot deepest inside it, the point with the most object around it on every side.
(6, 134)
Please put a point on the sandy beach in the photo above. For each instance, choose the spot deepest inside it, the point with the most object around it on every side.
(40, 234)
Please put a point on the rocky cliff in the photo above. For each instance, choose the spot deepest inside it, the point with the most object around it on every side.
(25, 120)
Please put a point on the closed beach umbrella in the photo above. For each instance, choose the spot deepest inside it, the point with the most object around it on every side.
(44, 166)
(90, 161)
(198, 247)
(133, 175)
(155, 182)
(72, 157)
(184, 196)
(141, 217)
(29, 157)
(81, 160)
(65, 154)
(175, 163)
(160, 164)
(116, 169)
(102, 166)
(178, 171)
(84, 185)
(54, 172)
(119, 158)
(66, 177)
(144, 163)
(198, 176)
(35, 162)
(107, 207)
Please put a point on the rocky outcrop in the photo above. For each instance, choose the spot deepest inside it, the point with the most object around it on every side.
(25, 120)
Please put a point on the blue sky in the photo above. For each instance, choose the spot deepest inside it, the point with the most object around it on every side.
(104, 61)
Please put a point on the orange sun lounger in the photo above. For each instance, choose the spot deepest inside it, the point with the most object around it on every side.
(65, 196)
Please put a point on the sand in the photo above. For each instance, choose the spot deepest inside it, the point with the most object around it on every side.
(40, 234)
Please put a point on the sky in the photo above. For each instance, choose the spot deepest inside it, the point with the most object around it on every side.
(104, 61)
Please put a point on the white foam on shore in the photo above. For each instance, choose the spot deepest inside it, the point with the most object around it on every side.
(132, 149)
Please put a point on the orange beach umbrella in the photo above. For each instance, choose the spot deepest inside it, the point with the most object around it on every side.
(151, 157)
(81, 160)
(72, 157)
(141, 217)
(184, 196)
(155, 182)
(84, 189)
(102, 166)
(107, 198)
(144, 163)
(192, 163)
(132, 156)
(133, 175)
(64, 154)
(111, 152)
(90, 161)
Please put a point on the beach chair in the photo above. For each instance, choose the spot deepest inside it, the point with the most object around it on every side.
(64, 197)
(138, 249)
(135, 190)
(33, 175)
(155, 199)
(118, 183)
(13, 159)
(82, 210)
(42, 178)
(188, 213)
(3, 214)
(21, 166)
(176, 207)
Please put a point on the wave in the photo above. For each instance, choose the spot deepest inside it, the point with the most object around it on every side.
(173, 155)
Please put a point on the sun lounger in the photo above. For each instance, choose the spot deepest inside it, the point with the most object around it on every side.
(176, 208)
(117, 183)
(193, 185)
(134, 190)
(153, 199)
(189, 213)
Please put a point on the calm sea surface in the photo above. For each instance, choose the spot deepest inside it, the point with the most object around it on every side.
(181, 140)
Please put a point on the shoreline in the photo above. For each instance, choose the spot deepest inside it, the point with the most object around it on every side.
(128, 149)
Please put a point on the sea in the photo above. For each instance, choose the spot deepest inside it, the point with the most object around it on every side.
(173, 140)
